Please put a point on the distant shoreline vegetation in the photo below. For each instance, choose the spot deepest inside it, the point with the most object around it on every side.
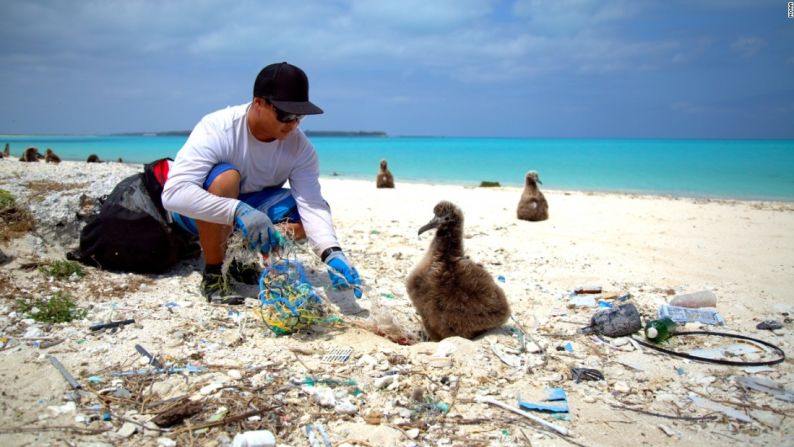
(309, 133)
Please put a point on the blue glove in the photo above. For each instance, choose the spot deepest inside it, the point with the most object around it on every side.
(257, 228)
(338, 264)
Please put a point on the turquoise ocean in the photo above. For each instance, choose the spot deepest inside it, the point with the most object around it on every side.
(738, 169)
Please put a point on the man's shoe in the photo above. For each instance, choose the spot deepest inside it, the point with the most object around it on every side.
(216, 289)
(244, 273)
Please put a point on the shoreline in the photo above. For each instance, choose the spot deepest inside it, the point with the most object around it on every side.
(517, 186)
(679, 168)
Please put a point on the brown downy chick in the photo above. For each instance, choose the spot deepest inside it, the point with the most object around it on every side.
(453, 295)
(30, 154)
(51, 157)
(384, 178)
(532, 206)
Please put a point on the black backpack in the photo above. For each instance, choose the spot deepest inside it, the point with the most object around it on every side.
(131, 232)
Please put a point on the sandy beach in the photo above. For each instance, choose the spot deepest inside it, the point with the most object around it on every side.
(650, 247)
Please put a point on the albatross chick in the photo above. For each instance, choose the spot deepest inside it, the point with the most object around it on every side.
(384, 179)
(453, 295)
(532, 206)
(51, 157)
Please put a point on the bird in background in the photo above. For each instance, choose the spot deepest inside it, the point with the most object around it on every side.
(384, 178)
(31, 154)
(533, 205)
(51, 157)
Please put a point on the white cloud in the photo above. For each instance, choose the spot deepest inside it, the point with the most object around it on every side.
(567, 16)
(420, 14)
(460, 40)
(748, 46)
(733, 4)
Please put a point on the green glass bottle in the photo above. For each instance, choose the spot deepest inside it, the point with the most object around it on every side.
(658, 331)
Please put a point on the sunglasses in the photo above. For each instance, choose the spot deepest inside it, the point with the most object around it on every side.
(284, 117)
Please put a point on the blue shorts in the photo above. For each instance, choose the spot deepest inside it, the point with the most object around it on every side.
(276, 202)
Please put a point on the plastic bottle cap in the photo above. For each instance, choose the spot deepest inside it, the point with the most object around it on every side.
(651, 332)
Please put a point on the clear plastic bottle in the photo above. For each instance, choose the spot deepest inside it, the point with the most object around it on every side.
(660, 330)
(684, 315)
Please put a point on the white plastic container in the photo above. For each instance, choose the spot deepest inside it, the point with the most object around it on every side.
(704, 298)
(256, 438)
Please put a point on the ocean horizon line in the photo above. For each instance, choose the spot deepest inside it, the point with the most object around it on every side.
(383, 134)
(558, 190)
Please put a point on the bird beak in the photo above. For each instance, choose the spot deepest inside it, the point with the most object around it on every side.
(434, 223)
(540, 181)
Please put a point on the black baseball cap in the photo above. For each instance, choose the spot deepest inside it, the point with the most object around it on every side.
(286, 87)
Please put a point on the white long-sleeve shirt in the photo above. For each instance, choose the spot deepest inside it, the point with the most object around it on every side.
(223, 137)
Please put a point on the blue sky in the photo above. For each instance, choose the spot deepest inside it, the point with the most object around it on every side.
(526, 68)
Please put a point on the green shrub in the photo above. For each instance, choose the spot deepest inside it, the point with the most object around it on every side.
(7, 201)
(62, 269)
(487, 184)
(15, 220)
(60, 308)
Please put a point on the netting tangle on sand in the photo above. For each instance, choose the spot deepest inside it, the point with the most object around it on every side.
(289, 302)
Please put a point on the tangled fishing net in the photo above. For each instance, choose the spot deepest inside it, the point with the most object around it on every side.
(289, 302)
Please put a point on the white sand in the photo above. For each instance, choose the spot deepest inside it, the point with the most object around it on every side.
(646, 245)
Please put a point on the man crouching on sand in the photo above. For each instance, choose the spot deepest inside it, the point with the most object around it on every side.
(230, 173)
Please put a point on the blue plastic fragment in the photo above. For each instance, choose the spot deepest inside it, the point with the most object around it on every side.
(554, 395)
(194, 369)
(604, 304)
(95, 379)
(501, 278)
(568, 347)
(171, 370)
(563, 408)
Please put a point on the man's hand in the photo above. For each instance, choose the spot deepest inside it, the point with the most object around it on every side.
(343, 275)
(257, 229)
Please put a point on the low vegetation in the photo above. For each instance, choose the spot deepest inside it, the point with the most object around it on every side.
(47, 186)
(15, 219)
(62, 269)
(59, 308)
(488, 184)
(7, 201)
